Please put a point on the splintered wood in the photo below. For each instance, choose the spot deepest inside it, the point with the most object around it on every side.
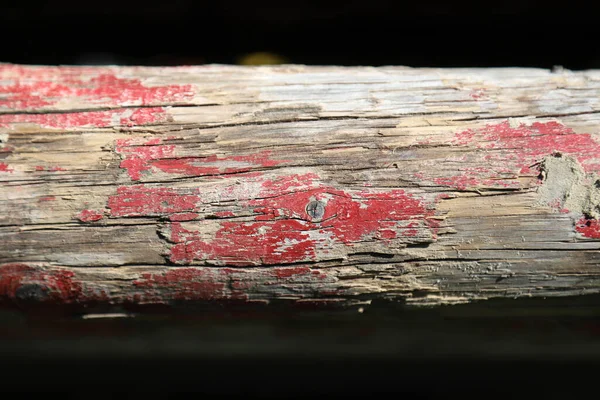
(130, 186)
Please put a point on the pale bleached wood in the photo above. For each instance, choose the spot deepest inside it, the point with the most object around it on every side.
(439, 185)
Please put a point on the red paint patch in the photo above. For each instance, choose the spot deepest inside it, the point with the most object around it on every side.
(145, 116)
(283, 233)
(33, 88)
(211, 284)
(49, 169)
(513, 151)
(589, 228)
(138, 158)
(183, 217)
(142, 201)
(225, 214)
(4, 168)
(182, 284)
(55, 286)
(442, 196)
(194, 166)
(458, 182)
(97, 119)
(283, 273)
(243, 244)
(25, 284)
(90, 216)
(155, 156)
(349, 217)
(525, 145)
(290, 183)
(410, 232)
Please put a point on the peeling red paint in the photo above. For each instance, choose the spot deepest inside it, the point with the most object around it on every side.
(282, 273)
(34, 88)
(512, 151)
(4, 168)
(347, 216)
(55, 168)
(528, 144)
(142, 201)
(588, 227)
(390, 234)
(10, 278)
(237, 244)
(97, 119)
(211, 284)
(442, 196)
(153, 155)
(137, 158)
(182, 284)
(458, 182)
(283, 233)
(47, 198)
(145, 116)
(290, 183)
(520, 149)
(225, 214)
(90, 216)
(55, 286)
(23, 284)
(195, 166)
(183, 217)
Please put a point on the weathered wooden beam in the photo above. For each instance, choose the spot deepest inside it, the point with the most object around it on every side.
(128, 186)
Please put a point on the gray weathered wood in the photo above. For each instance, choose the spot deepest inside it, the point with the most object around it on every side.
(139, 185)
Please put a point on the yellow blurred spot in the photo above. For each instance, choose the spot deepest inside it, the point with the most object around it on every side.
(261, 58)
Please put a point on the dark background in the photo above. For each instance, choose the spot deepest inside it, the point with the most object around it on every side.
(435, 33)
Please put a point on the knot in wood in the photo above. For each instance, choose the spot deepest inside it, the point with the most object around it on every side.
(31, 292)
(315, 209)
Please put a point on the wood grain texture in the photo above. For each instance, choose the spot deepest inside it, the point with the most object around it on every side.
(136, 185)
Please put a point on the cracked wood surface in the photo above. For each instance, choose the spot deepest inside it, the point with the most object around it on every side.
(129, 186)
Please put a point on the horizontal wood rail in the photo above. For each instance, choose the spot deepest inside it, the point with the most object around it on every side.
(317, 186)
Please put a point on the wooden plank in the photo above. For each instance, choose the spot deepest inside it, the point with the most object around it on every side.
(131, 186)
